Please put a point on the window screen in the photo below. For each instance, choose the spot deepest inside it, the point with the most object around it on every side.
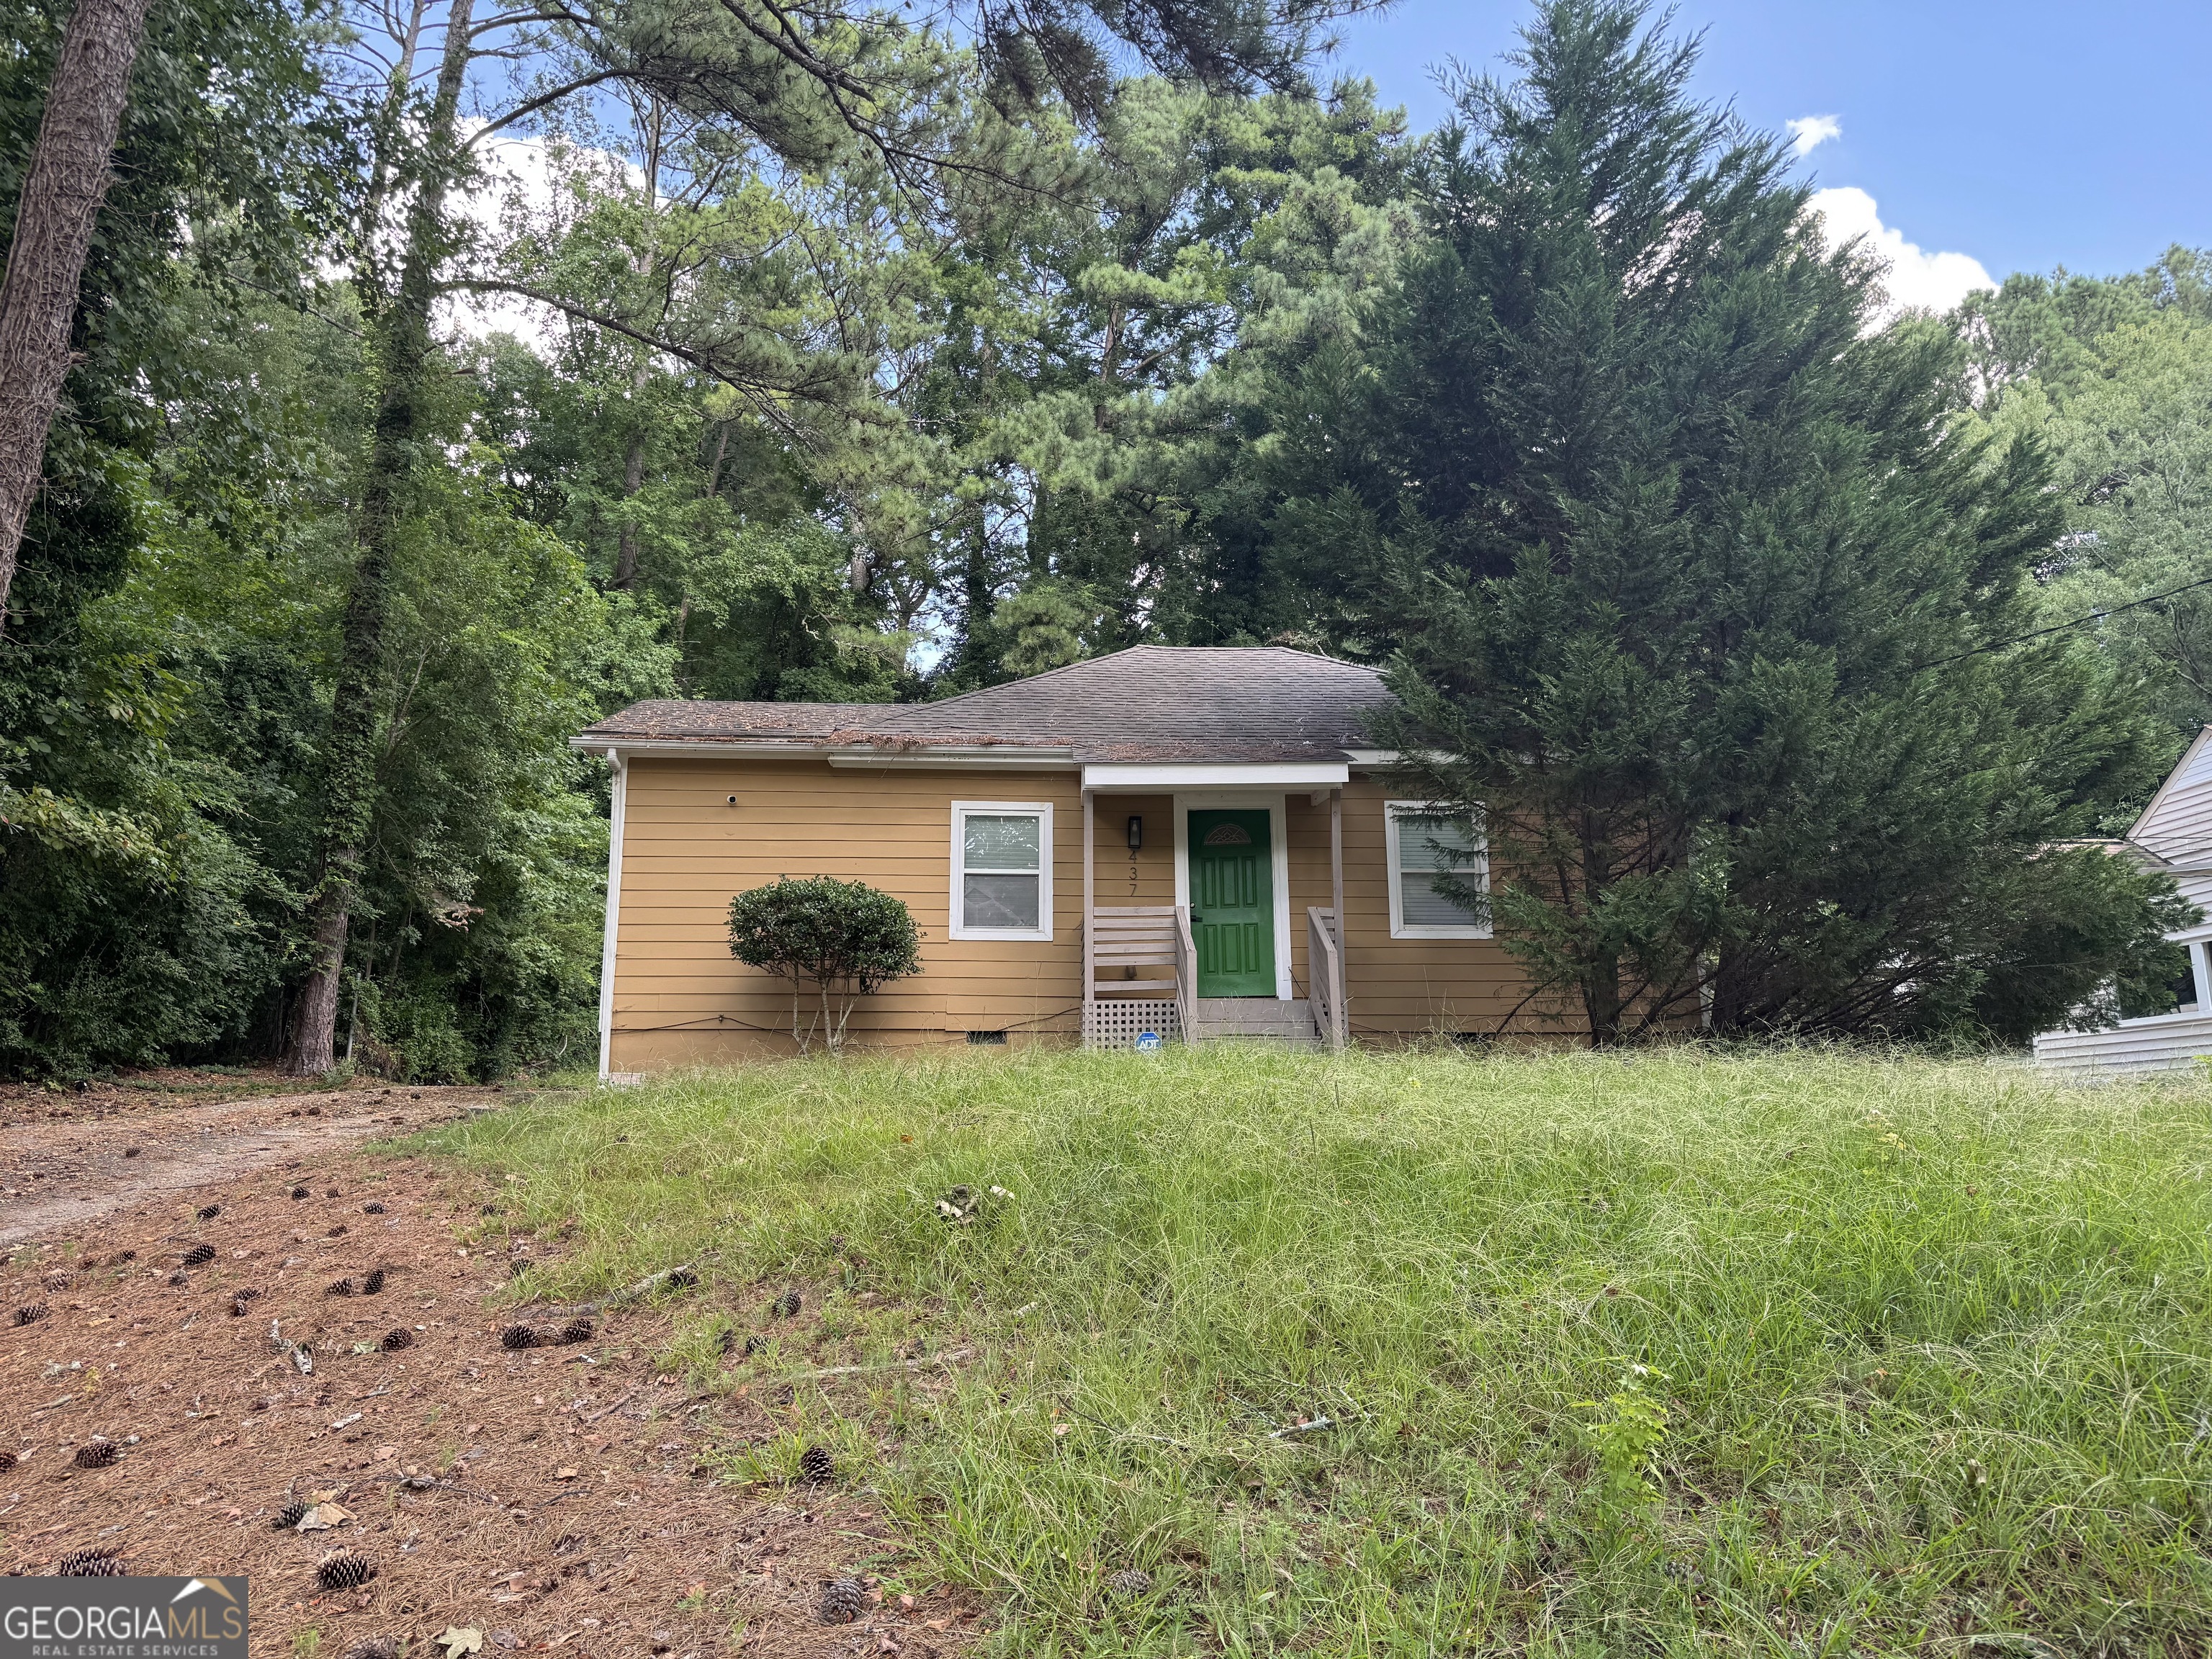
(1423, 845)
(1002, 885)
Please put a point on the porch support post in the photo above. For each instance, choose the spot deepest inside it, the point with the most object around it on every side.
(1336, 861)
(1089, 906)
(1343, 1000)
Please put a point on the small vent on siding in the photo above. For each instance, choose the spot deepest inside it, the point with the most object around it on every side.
(987, 1039)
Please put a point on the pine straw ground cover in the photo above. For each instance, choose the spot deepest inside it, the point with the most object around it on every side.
(1256, 1352)
(555, 1499)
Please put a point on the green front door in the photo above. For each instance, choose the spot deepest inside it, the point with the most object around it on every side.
(1233, 903)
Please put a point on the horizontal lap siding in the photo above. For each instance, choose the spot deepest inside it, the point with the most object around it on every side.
(1405, 986)
(679, 996)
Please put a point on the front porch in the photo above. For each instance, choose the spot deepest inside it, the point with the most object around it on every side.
(1234, 917)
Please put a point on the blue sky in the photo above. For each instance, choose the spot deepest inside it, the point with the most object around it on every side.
(2024, 135)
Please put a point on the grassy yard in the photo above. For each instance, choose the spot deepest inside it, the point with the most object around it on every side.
(1930, 1340)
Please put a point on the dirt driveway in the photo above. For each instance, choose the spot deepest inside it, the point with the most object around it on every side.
(256, 1308)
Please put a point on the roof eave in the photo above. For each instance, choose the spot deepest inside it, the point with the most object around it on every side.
(917, 757)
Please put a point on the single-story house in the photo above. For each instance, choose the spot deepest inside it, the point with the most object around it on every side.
(2173, 834)
(1187, 841)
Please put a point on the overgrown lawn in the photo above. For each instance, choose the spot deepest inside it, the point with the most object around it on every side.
(1931, 1340)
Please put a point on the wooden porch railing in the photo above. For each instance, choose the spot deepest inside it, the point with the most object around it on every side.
(1325, 971)
(1123, 937)
(1185, 967)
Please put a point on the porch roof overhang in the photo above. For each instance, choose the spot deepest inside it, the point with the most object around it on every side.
(1217, 775)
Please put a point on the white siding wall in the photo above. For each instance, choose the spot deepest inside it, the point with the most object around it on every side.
(2177, 826)
(2179, 820)
(2171, 1042)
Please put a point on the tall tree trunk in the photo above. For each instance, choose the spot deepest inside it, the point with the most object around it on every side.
(61, 193)
(641, 262)
(403, 348)
(632, 477)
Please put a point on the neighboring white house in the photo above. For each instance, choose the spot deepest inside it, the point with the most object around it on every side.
(2174, 834)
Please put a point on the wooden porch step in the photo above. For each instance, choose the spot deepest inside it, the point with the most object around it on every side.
(1256, 1019)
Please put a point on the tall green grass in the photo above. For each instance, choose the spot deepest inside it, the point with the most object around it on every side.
(1931, 1339)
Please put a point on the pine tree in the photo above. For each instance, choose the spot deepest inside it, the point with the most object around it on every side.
(1694, 577)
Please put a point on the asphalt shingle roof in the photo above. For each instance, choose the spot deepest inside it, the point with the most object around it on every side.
(1149, 702)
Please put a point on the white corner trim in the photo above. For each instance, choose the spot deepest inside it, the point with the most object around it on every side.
(1201, 774)
(618, 808)
(1399, 928)
(1278, 839)
(957, 927)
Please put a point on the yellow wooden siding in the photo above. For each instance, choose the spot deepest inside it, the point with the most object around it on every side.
(680, 998)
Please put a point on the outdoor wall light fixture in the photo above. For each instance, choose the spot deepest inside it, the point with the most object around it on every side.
(1136, 832)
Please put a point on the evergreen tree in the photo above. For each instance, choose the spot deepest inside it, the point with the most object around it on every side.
(1694, 589)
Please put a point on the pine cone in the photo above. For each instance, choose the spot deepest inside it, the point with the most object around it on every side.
(244, 1299)
(8, 1460)
(340, 1287)
(578, 1330)
(97, 1453)
(373, 1647)
(396, 1338)
(299, 1193)
(816, 1464)
(683, 1279)
(32, 1314)
(516, 1268)
(371, 1208)
(337, 1231)
(843, 1599)
(209, 1212)
(341, 1570)
(200, 1255)
(373, 1282)
(289, 1515)
(1130, 1581)
(56, 1281)
(787, 1306)
(518, 1336)
(753, 1345)
(93, 1564)
(121, 1256)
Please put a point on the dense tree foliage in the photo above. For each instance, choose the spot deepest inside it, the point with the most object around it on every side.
(671, 355)
(1704, 584)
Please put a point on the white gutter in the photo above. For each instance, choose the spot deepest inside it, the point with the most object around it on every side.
(1204, 774)
(620, 806)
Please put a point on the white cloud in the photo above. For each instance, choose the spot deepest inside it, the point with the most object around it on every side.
(1916, 280)
(1809, 132)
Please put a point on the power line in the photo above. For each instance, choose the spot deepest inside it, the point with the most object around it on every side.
(2060, 628)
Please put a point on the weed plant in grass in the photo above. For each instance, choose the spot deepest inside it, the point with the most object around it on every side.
(1925, 1357)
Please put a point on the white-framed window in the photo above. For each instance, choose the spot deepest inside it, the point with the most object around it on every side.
(1424, 842)
(1001, 869)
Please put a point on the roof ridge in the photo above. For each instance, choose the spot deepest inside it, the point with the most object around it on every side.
(1030, 679)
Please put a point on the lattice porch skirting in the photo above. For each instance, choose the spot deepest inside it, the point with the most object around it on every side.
(1118, 1022)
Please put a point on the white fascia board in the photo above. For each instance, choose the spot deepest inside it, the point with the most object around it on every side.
(1217, 775)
